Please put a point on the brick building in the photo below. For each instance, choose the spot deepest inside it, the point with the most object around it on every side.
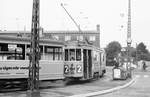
(90, 36)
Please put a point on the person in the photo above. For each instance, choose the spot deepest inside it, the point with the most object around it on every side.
(72, 55)
(72, 58)
(116, 63)
(144, 65)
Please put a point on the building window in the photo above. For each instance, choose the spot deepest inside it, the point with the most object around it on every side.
(56, 37)
(80, 38)
(92, 38)
(67, 38)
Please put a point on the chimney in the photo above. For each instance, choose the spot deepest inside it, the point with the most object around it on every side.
(98, 28)
(41, 32)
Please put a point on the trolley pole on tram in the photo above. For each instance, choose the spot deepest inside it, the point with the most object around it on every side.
(78, 26)
(33, 80)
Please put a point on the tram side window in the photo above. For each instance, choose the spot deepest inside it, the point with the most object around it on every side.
(53, 53)
(58, 53)
(49, 53)
(3, 51)
(11, 52)
(78, 54)
(66, 54)
(103, 58)
(15, 55)
(96, 55)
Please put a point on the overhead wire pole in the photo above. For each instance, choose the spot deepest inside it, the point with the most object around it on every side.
(33, 80)
(78, 26)
(129, 40)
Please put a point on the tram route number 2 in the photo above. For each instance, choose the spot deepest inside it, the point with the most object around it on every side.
(79, 68)
(66, 69)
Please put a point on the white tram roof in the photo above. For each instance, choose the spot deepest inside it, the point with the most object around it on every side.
(81, 44)
(27, 40)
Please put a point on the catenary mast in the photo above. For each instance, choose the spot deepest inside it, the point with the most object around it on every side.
(129, 40)
(33, 81)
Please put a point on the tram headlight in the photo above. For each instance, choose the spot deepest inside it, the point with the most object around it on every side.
(79, 68)
(66, 69)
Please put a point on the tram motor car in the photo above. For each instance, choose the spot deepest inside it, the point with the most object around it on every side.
(83, 61)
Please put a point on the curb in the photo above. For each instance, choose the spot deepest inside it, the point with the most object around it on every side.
(105, 91)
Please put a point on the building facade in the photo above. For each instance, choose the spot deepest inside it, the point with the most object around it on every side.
(92, 37)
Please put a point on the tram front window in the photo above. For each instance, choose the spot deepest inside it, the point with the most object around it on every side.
(78, 54)
(72, 54)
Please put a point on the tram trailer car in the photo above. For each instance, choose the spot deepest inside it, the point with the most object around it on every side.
(14, 59)
(83, 61)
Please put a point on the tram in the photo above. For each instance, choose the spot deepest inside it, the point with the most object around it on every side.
(14, 58)
(83, 61)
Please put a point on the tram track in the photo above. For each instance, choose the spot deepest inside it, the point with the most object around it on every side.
(21, 85)
(13, 86)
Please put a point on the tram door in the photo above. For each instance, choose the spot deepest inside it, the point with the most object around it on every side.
(87, 62)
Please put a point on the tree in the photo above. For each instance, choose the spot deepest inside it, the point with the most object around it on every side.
(142, 48)
(142, 52)
(133, 53)
(112, 51)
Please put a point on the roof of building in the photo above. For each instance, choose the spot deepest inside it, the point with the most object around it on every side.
(27, 40)
(54, 31)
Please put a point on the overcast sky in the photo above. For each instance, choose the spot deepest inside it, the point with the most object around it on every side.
(110, 14)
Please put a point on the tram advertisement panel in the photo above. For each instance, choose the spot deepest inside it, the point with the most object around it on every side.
(15, 68)
(20, 69)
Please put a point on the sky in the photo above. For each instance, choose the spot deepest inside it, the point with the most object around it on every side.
(111, 15)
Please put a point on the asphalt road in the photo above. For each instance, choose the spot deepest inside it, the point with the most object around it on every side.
(141, 87)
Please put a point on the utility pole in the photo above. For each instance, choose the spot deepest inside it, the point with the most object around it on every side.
(33, 81)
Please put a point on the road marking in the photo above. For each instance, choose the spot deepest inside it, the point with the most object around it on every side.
(146, 76)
